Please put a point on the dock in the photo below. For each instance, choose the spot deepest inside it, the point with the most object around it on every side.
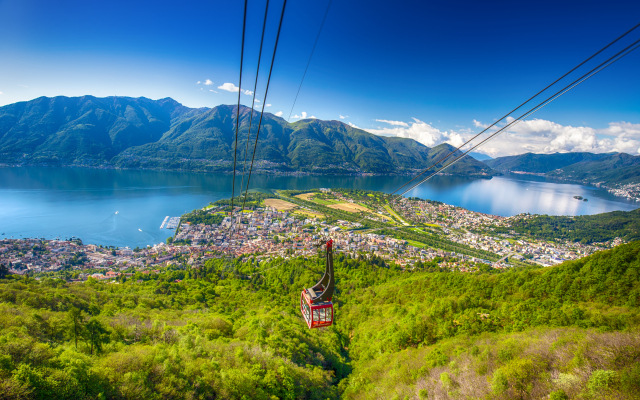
(173, 222)
(164, 222)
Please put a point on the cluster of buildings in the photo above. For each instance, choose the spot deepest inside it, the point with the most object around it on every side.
(457, 222)
(32, 256)
(268, 233)
(631, 191)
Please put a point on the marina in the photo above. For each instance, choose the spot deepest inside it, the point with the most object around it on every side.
(173, 222)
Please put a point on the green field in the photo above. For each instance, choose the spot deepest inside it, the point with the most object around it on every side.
(325, 202)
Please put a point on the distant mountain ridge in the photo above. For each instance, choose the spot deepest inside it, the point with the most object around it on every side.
(605, 168)
(163, 134)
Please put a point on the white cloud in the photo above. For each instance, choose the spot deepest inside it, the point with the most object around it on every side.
(353, 125)
(479, 124)
(279, 114)
(197, 83)
(208, 82)
(267, 105)
(420, 131)
(395, 123)
(543, 136)
(302, 115)
(622, 129)
(257, 101)
(230, 87)
(211, 90)
(313, 117)
(343, 117)
(0, 92)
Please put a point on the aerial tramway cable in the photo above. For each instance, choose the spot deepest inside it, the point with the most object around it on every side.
(310, 56)
(517, 108)
(235, 149)
(255, 86)
(556, 95)
(275, 49)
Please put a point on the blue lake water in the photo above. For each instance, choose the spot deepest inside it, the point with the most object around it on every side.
(65, 202)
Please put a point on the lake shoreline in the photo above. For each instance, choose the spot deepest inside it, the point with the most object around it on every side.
(81, 202)
(256, 172)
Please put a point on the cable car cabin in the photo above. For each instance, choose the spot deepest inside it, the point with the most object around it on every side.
(315, 302)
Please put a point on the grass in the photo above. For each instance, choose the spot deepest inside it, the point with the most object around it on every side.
(395, 215)
(350, 207)
(325, 202)
(306, 196)
(309, 214)
(417, 244)
(280, 204)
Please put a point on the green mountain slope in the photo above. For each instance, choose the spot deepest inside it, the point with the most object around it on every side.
(67, 130)
(540, 163)
(130, 133)
(569, 330)
(608, 169)
(618, 168)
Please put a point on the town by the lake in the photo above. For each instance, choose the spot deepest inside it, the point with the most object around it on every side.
(407, 232)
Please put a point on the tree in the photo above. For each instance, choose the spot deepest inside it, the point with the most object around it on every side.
(4, 271)
(77, 320)
(95, 334)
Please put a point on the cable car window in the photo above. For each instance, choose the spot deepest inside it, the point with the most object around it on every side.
(322, 315)
(316, 316)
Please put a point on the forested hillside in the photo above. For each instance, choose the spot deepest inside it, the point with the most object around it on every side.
(540, 163)
(580, 228)
(610, 168)
(568, 331)
(163, 134)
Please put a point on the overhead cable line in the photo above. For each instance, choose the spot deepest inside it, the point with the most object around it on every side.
(255, 86)
(311, 56)
(235, 149)
(517, 108)
(556, 95)
(275, 49)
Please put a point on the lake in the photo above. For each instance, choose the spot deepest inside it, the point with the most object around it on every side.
(126, 208)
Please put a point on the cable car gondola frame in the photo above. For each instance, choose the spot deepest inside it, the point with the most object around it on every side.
(315, 302)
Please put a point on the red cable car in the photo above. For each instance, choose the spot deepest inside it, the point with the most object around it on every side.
(315, 302)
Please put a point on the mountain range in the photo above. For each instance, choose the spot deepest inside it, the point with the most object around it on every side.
(605, 168)
(163, 134)
(127, 132)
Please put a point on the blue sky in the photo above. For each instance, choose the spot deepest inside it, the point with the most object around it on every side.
(431, 68)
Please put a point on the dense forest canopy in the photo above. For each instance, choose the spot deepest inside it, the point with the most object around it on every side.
(233, 330)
